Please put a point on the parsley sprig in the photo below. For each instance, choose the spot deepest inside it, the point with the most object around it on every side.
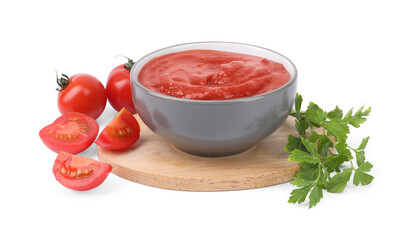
(322, 153)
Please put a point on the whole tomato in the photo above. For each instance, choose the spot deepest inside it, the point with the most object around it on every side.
(81, 93)
(118, 87)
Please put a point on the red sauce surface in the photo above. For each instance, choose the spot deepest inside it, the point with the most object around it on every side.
(212, 75)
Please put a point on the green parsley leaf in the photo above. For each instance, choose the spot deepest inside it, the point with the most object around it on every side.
(341, 147)
(308, 170)
(338, 183)
(333, 162)
(300, 194)
(315, 114)
(363, 143)
(343, 150)
(360, 157)
(358, 118)
(362, 178)
(314, 137)
(348, 115)
(337, 113)
(357, 122)
(337, 128)
(324, 144)
(293, 143)
(315, 195)
(301, 156)
(298, 102)
(301, 181)
(311, 147)
(301, 126)
(365, 167)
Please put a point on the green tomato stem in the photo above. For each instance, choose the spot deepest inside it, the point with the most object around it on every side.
(63, 82)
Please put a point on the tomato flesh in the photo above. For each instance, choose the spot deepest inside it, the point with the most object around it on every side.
(118, 89)
(72, 132)
(79, 173)
(122, 132)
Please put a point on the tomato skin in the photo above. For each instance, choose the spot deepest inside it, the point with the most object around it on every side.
(66, 170)
(122, 132)
(119, 90)
(84, 94)
(72, 132)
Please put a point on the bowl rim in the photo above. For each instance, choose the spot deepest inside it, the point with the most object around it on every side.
(236, 100)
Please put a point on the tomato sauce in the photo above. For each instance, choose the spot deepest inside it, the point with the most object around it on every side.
(212, 75)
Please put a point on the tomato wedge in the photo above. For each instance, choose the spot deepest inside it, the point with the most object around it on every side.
(79, 173)
(122, 132)
(72, 132)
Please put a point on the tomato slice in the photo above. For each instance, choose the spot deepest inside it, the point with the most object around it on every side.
(79, 173)
(72, 132)
(122, 132)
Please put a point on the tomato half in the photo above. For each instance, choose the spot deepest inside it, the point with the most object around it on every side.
(72, 132)
(79, 173)
(118, 87)
(122, 132)
(81, 93)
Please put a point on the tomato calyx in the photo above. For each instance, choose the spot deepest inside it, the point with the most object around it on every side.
(63, 82)
(128, 66)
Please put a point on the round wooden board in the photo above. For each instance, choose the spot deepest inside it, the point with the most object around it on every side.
(154, 162)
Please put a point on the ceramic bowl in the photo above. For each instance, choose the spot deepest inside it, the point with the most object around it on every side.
(214, 127)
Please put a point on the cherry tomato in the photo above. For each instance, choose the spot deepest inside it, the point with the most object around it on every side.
(118, 87)
(81, 93)
(72, 132)
(122, 132)
(79, 173)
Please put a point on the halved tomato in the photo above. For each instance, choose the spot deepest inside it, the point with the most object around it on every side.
(79, 173)
(72, 132)
(122, 132)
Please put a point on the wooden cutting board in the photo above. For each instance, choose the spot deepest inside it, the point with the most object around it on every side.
(154, 162)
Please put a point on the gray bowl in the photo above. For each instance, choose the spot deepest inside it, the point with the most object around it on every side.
(214, 127)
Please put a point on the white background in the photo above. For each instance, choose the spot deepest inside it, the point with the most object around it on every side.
(348, 53)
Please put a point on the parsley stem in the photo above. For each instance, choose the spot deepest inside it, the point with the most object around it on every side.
(319, 172)
(352, 149)
(325, 170)
(293, 113)
(312, 129)
(320, 167)
(355, 150)
(352, 166)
